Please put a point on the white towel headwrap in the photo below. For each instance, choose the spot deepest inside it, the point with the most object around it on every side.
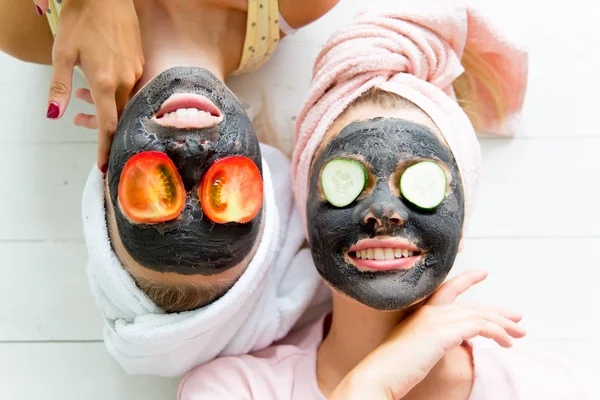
(276, 288)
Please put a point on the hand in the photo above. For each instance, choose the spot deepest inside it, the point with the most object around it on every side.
(424, 338)
(103, 38)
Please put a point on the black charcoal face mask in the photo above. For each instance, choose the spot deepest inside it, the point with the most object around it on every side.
(191, 243)
(385, 146)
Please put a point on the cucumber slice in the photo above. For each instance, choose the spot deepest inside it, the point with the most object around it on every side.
(424, 184)
(342, 181)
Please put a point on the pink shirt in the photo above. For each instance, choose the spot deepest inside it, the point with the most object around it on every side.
(286, 371)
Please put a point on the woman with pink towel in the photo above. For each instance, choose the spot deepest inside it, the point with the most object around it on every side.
(385, 171)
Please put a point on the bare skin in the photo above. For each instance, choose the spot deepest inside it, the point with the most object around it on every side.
(27, 36)
(341, 352)
(200, 33)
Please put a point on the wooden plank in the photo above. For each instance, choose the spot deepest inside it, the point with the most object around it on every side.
(530, 188)
(73, 371)
(539, 188)
(44, 293)
(84, 371)
(42, 186)
(553, 283)
(23, 104)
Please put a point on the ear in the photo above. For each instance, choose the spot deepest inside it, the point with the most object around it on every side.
(461, 245)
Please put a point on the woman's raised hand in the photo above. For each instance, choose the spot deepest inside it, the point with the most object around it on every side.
(416, 345)
(102, 37)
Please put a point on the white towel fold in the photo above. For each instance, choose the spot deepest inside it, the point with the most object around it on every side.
(272, 294)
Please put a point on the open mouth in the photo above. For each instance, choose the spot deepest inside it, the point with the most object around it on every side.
(188, 111)
(384, 254)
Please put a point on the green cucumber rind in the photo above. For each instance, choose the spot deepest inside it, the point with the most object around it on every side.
(406, 191)
(340, 164)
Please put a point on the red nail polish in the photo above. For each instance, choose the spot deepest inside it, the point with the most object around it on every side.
(53, 111)
(38, 10)
(104, 169)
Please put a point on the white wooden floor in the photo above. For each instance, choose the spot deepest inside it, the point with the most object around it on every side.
(537, 226)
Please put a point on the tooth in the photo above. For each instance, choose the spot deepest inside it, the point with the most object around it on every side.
(182, 113)
(193, 112)
(410, 253)
(370, 255)
(389, 254)
(363, 254)
(173, 114)
(398, 253)
(379, 255)
(404, 253)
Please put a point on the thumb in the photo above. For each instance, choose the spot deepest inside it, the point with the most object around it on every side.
(41, 6)
(60, 85)
(456, 286)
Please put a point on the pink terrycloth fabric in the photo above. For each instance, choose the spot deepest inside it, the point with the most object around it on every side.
(287, 371)
(414, 49)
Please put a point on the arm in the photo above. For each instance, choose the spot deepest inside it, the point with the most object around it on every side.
(23, 33)
(299, 13)
(426, 336)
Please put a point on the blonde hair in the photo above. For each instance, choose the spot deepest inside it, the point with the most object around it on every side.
(186, 297)
(478, 86)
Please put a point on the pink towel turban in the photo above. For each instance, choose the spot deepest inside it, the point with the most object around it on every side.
(414, 48)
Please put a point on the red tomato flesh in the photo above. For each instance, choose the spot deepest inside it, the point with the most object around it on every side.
(151, 189)
(231, 190)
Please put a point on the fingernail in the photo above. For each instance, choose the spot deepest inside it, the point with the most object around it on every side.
(53, 110)
(104, 168)
(38, 10)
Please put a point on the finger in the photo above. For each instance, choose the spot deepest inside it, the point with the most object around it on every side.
(509, 326)
(86, 121)
(450, 290)
(488, 330)
(122, 95)
(482, 314)
(505, 312)
(63, 61)
(106, 113)
(41, 6)
(85, 95)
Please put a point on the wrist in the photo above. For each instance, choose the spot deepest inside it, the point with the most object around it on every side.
(360, 384)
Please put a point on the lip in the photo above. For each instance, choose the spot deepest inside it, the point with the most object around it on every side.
(404, 263)
(188, 111)
(394, 243)
(385, 265)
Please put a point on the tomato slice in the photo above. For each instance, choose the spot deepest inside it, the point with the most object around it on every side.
(231, 190)
(151, 189)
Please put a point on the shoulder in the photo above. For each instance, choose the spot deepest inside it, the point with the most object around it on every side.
(527, 374)
(265, 375)
(228, 378)
(299, 13)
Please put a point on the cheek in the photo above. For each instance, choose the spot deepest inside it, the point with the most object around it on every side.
(329, 226)
(440, 231)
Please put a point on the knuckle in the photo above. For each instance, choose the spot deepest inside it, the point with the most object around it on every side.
(131, 79)
(60, 52)
(58, 88)
(139, 70)
(110, 127)
(106, 83)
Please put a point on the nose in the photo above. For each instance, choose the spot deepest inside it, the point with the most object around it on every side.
(191, 157)
(382, 214)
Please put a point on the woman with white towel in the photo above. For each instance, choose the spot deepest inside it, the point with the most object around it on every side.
(193, 242)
